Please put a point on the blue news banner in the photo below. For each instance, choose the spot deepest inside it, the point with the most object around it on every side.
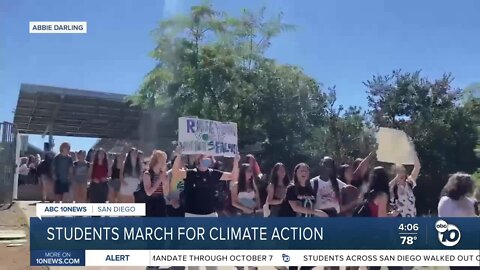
(63, 241)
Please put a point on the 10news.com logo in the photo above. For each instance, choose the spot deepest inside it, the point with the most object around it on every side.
(448, 234)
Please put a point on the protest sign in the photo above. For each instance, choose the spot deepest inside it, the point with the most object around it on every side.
(201, 136)
(394, 147)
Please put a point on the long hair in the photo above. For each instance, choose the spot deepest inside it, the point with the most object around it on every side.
(96, 158)
(256, 168)
(243, 183)
(295, 178)
(378, 182)
(115, 162)
(157, 157)
(128, 167)
(274, 175)
(90, 154)
(332, 175)
(459, 185)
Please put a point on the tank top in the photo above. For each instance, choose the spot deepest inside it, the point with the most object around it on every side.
(154, 178)
(247, 199)
(115, 172)
(100, 173)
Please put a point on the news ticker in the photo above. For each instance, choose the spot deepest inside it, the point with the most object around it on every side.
(166, 258)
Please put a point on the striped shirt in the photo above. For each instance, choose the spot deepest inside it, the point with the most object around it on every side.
(154, 178)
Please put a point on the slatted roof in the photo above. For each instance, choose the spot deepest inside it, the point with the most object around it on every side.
(72, 112)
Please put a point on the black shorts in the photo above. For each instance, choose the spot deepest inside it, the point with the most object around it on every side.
(61, 187)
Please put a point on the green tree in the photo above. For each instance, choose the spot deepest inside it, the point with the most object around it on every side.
(344, 134)
(442, 129)
(213, 66)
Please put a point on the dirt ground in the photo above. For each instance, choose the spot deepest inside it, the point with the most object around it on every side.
(17, 257)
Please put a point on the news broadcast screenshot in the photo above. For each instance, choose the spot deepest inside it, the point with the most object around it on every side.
(239, 135)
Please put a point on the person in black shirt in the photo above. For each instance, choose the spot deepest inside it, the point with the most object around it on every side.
(300, 197)
(201, 184)
(44, 171)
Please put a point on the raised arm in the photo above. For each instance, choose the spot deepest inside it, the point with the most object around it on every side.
(178, 173)
(363, 166)
(416, 168)
(234, 174)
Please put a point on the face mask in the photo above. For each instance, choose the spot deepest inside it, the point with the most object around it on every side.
(206, 163)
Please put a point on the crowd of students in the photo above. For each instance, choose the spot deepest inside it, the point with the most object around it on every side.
(177, 189)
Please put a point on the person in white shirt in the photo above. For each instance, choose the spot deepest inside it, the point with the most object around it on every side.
(456, 200)
(401, 188)
(327, 188)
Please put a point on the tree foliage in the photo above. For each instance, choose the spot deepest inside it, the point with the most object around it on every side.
(443, 130)
(212, 65)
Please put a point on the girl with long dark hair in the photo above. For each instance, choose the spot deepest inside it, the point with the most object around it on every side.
(130, 176)
(350, 194)
(90, 155)
(98, 190)
(244, 192)
(277, 188)
(378, 196)
(300, 196)
(376, 203)
(114, 182)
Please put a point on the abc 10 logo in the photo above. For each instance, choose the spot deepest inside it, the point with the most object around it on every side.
(448, 234)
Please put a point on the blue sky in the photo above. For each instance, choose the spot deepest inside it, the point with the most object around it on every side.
(337, 42)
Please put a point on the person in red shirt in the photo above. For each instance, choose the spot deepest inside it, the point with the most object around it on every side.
(98, 192)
